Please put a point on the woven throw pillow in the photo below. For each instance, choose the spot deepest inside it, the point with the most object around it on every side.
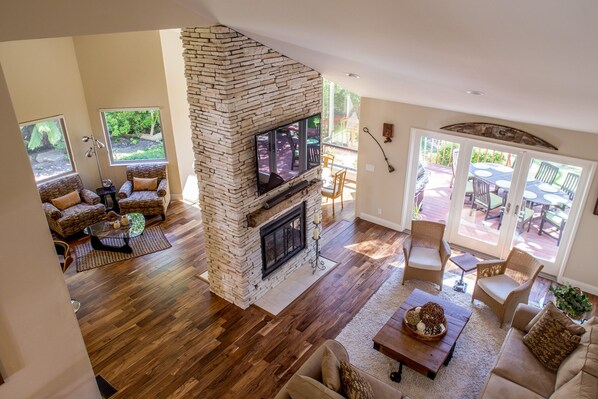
(141, 184)
(331, 370)
(551, 341)
(66, 201)
(304, 387)
(354, 386)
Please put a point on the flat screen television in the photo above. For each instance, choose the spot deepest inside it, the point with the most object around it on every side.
(286, 152)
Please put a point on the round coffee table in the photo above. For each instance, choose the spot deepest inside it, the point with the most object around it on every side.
(105, 229)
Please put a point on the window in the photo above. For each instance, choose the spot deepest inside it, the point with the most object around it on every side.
(340, 124)
(134, 135)
(48, 147)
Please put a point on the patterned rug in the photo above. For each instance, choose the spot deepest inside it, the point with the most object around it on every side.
(152, 240)
(475, 351)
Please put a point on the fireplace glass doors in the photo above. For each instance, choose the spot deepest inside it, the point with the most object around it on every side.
(282, 239)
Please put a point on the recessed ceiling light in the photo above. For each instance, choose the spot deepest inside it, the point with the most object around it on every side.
(475, 92)
(353, 75)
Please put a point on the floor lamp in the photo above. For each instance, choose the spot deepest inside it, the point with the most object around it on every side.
(93, 151)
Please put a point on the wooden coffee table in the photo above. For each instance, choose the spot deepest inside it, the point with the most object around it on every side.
(425, 357)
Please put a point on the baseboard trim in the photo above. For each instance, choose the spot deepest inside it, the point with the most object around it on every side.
(380, 221)
(584, 286)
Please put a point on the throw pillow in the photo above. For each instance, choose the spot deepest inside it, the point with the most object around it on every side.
(583, 386)
(66, 201)
(304, 387)
(141, 184)
(551, 341)
(354, 386)
(330, 370)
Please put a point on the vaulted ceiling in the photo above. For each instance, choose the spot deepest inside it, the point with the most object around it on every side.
(535, 61)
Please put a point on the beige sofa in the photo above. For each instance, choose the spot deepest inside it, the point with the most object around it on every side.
(518, 374)
(313, 368)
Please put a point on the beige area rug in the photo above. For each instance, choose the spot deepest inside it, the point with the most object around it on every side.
(152, 240)
(475, 351)
(281, 296)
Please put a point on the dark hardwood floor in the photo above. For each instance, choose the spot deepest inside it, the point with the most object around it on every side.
(153, 329)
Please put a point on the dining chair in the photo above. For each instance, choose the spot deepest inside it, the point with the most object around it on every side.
(555, 217)
(313, 155)
(294, 151)
(484, 198)
(426, 252)
(336, 190)
(503, 284)
(547, 173)
(570, 184)
(526, 215)
(328, 161)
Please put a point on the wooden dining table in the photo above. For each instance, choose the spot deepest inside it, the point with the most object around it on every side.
(535, 191)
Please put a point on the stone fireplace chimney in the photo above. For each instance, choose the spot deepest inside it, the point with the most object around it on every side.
(237, 88)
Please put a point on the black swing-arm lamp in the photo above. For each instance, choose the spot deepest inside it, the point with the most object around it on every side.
(390, 167)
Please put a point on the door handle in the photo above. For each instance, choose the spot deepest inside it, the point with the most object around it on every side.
(508, 208)
(517, 210)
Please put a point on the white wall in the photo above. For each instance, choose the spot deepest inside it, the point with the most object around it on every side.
(125, 70)
(174, 68)
(42, 354)
(383, 190)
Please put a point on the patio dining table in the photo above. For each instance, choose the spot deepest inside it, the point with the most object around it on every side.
(535, 191)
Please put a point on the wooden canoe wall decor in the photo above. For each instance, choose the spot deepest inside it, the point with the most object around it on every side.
(499, 132)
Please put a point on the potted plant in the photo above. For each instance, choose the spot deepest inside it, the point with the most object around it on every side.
(571, 300)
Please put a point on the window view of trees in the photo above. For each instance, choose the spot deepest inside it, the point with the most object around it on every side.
(134, 135)
(340, 124)
(47, 148)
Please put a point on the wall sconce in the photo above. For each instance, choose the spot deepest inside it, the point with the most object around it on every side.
(390, 167)
(387, 132)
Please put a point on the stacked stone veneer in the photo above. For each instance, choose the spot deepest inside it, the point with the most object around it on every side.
(237, 88)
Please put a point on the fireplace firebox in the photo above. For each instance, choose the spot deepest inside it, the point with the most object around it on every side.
(282, 239)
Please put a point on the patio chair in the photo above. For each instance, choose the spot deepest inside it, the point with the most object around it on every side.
(503, 284)
(555, 217)
(484, 198)
(547, 173)
(337, 188)
(570, 184)
(294, 151)
(526, 215)
(313, 155)
(328, 161)
(426, 252)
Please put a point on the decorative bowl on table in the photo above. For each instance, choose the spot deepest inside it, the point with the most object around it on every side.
(426, 322)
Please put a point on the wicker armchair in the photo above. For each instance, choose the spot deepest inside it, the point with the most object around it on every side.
(503, 284)
(75, 218)
(149, 203)
(426, 252)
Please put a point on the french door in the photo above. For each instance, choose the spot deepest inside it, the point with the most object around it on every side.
(494, 197)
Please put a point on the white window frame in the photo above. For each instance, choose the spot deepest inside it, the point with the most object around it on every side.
(65, 134)
(114, 162)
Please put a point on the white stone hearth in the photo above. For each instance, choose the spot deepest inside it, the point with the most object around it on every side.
(281, 296)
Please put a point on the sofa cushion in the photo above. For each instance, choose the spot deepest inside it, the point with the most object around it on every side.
(303, 387)
(498, 287)
(498, 387)
(354, 385)
(551, 341)
(425, 258)
(145, 184)
(81, 213)
(331, 370)
(517, 364)
(66, 201)
(583, 386)
(584, 358)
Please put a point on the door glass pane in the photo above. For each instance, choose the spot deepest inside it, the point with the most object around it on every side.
(434, 179)
(486, 189)
(549, 190)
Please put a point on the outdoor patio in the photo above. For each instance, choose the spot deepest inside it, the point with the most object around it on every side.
(435, 207)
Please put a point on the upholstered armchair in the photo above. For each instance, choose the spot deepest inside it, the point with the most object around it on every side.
(74, 218)
(503, 284)
(148, 202)
(426, 252)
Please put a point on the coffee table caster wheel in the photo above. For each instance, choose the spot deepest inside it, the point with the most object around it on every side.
(395, 376)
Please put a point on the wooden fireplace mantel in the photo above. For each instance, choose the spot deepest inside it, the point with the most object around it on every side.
(262, 215)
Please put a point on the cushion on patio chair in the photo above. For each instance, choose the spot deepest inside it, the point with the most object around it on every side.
(498, 287)
(425, 258)
(495, 201)
(556, 217)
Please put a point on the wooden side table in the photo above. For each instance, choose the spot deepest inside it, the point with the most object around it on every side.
(110, 191)
(467, 263)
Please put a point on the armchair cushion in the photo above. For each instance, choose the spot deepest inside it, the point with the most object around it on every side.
(145, 184)
(51, 211)
(79, 212)
(498, 287)
(425, 258)
(148, 199)
(66, 201)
